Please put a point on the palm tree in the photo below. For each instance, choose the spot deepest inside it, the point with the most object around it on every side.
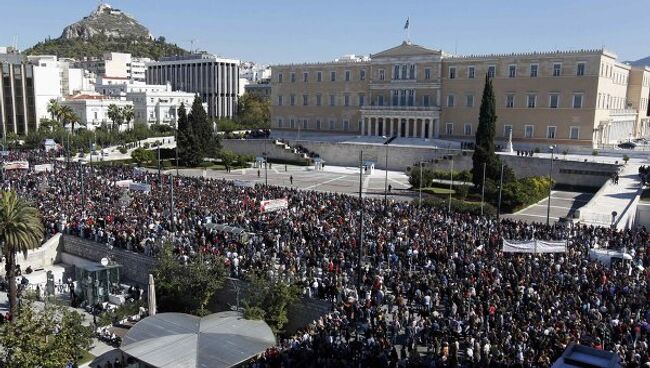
(54, 108)
(69, 117)
(127, 114)
(115, 114)
(21, 229)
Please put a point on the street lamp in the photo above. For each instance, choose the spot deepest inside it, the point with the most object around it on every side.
(386, 177)
(550, 186)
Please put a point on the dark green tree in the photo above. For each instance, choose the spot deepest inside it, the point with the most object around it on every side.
(202, 129)
(188, 153)
(270, 300)
(485, 133)
(253, 111)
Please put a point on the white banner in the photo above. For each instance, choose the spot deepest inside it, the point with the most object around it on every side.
(274, 205)
(123, 183)
(43, 168)
(14, 165)
(142, 187)
(533, 246)
(243, 183)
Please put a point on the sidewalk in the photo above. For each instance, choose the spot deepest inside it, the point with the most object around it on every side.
(614, 197)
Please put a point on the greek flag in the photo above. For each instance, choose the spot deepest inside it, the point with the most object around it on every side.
(406, 25)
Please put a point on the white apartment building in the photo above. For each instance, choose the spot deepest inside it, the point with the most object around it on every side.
(117, 65)
(215, 79)
(152, 103)
(92, 109)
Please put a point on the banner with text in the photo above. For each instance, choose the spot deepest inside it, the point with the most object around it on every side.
(123, 183)
(273, 205)
(16, 165)
(142, 187)
(533, 246)
(44, 168)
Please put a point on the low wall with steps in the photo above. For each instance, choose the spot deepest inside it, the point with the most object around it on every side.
(257, 147)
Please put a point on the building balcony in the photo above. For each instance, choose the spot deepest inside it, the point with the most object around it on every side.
(369, 108)
(622, 112)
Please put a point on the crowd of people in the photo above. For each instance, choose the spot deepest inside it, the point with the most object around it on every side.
(425, 288)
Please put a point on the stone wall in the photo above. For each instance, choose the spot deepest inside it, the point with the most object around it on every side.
(41, 257)
(136, 268)
(256, 147)
(565, 172)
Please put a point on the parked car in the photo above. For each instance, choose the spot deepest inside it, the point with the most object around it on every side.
(627, 145)
(640, 140)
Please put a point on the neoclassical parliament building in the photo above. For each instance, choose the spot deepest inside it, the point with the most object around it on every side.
(578, 97)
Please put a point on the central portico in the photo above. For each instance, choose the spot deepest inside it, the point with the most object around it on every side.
(407, 122)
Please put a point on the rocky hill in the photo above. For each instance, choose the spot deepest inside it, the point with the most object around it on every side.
(641, 62)
(106, 29)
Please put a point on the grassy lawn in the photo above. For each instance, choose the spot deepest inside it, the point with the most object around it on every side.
(86, 357)
(438, 191)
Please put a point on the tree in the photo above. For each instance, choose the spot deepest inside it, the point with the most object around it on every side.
(270, 300)
(68, 116)
(54, 109)
(190, 287)
(48, 338)
(188, 152)
(115, 114)
(485, 133)
(142, 155)
(414, 177)
(21, 229)
(127, 114)
(253, 111)
(202, 129)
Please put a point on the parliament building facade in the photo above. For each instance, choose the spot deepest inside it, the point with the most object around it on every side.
(579, 98)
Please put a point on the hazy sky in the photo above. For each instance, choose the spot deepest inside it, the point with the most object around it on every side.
(279, 31)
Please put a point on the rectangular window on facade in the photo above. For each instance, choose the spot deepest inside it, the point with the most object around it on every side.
(293, 77)
(510, 101)
(380, 100)
(280, 78)
(318, 124)
(332, 100)
(293, 124)
(554, 101)
(529, 131)
(557, 69)
(332, 76)
(469, 101)
(577, 101)
(280, 100)
(396, 72)
(382, 74)
(332, 125)
(411, 97)
(362, 75)
(574, 132)
(427, 73)
(319, 100)
(533, 70)
(471, 72)
(362, 99)
(319, 76)
(402, 98)
(512, 71)
(580, 69)
(347, 75)
(492, 71)
(452, 73)
(412, 71)
(532, 100)
(305, 77)
(305, 100)
(304, 124)
(467, 129)
(450, 101)
(450, 129)
(550, 132)
(425, 100)
(346, 100)
(293, 100)
(404, 71)
(279, 123)
(346, 125)
(506, 130)
(395, 98)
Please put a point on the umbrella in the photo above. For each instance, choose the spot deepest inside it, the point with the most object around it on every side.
(151, 297)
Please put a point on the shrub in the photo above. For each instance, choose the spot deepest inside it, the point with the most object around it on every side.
(594, 153)
(626, 158)
(146, 145)
(524, 192)
(123, 150)
(473, 208)
(536, 150)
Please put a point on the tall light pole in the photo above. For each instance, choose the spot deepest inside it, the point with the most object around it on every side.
(500, 190)
(550, 187)
(420, 200)
(172, 209)
(483, 190)
(176, 145)
(266, 164)
(83, 191)
(451, 182)
(386, 177)
(360, 223)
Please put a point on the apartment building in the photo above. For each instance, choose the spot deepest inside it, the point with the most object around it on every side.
(215, 79)
(117, 65)
(579, 98)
